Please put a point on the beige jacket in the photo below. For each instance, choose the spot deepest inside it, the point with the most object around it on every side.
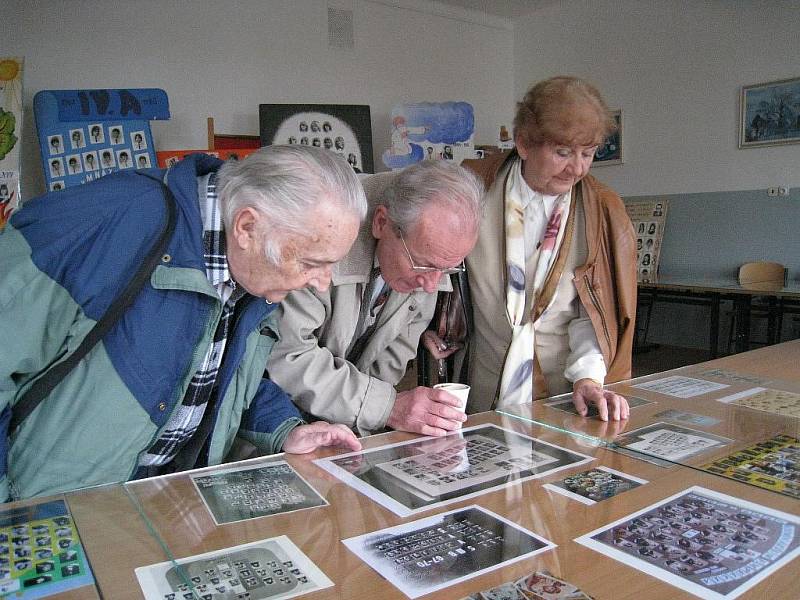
(606, 283)
(317, 328)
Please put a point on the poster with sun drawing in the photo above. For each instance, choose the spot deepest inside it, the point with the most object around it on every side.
(430, 131)
(85, 134)
(10, 128)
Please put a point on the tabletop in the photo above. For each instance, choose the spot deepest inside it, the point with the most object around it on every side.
(513, 480)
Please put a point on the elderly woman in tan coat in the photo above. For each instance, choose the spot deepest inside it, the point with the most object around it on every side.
(553, 276)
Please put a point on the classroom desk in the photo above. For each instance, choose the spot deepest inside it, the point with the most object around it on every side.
(711, 291)
(125, 526)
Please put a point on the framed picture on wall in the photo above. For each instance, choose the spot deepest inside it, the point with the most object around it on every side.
(610, 152)
(342, 128)
(770, 114)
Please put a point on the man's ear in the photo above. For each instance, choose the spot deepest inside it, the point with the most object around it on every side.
(246, 227)
(519, 143)
(380, 222)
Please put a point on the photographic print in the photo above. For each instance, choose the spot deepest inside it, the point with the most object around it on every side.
(770, 114)
(687, 418)
(271, 569)
(610, 152)
(250, 492)
(566, 405)
(40, 552)
(777, 402)
(540, 585)
(432, 553)
(731, 376)
(773, 464)
(97, 134)
(680, 387)
(668, 441)
(345, 129)
(709, 544)
(594, 485)
(425, 473)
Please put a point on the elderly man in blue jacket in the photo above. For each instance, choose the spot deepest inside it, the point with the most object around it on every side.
(180, 373)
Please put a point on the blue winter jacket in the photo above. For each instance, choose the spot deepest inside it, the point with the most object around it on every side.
(64, 257)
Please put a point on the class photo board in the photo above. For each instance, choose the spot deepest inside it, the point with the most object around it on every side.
(648, 219)
(86, 134)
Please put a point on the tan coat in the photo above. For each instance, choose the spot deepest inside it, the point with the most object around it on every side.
(606, 283)
(317, 328)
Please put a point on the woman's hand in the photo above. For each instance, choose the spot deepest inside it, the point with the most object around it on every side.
(609, 404)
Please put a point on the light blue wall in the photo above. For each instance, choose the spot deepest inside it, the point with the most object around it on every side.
(711, 234)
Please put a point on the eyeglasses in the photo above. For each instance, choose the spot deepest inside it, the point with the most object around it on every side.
(416, 269)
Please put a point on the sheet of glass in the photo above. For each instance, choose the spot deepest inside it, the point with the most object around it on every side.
(594, 485)
(268, 569)
(728, 376)
(777, 402)
(686, 418)
(669, 441)
(566, 405)
(239, 493)
(425, 473)
(773, 464)
(706, 543)
(40, 552)
(680, 386)
(432, 553)
(540, 585)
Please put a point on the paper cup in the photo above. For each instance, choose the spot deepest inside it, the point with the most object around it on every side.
(459, 390)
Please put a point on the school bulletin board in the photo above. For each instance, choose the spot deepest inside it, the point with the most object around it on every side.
(85, 134)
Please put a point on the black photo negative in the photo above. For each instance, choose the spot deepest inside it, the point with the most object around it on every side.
(432, 553)
(345, 129)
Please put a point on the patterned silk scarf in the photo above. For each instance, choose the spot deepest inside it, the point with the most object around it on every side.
(516, 384)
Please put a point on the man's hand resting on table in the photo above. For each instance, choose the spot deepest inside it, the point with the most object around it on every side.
(427, 411)
(307, 438)
(609, 404)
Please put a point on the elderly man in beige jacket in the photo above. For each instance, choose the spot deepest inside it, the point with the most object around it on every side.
(341, 352)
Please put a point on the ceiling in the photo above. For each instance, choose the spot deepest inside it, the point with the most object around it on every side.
(509, 9)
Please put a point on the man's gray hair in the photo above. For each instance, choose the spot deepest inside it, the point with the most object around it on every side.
(285, 183)
(429, 181)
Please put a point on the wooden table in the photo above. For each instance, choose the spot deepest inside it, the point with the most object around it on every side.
(711, 291)
(144, 522)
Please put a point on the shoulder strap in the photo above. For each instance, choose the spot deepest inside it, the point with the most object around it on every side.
(44, 385)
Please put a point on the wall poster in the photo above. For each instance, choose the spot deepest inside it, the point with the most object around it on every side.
(86, 134)
(430, 131)
(345, 129)
(10, 132)
(648, 220)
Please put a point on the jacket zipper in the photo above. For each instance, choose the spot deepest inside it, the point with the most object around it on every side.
(596, 303)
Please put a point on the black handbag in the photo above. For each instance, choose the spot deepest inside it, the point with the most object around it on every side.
(56, 373)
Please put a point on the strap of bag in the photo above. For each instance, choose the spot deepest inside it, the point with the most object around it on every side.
(53, 376)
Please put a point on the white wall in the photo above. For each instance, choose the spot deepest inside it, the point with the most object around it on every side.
(675, 68)
(222, 59)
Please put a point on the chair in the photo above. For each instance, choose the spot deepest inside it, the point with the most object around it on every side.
(767, 277)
